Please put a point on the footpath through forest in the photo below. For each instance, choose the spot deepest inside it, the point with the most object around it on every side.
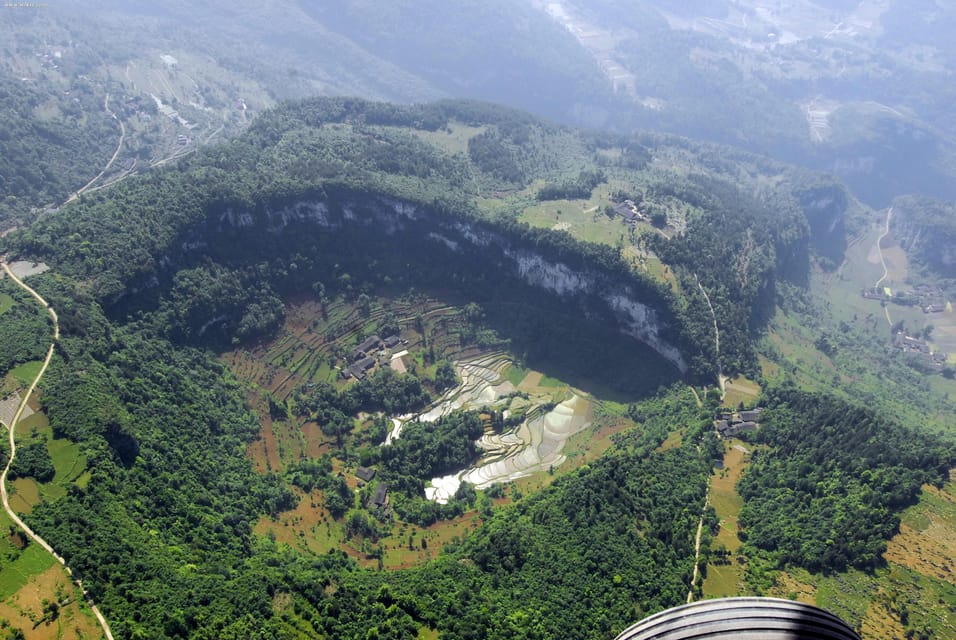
(13, 452)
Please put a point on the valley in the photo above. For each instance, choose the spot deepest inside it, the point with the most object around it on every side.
(432, 358)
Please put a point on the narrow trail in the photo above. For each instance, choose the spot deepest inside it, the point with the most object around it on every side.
(119, 147)
(696, 397)
(879, 248)
(13, 452)
(700, 531)
(721, 379)
(214, 133)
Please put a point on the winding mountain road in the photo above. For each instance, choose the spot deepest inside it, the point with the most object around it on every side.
(879, 248)
(119, 146)
(13, 452)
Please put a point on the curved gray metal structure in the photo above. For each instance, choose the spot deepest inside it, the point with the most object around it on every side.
(747, 618)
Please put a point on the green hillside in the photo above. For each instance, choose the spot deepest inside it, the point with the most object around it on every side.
(210, 311)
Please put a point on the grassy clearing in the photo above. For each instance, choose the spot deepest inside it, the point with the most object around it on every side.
(34, 426)
(549, 382)
(83, 480)
(848, 594)
(726, 578)
(889, 602)
(591, 443)
(585, 219)
(6, 303)
(27, 372)
(768, 368)
(810, 368)
(673, 441)
(926, 542)
(660, 271)
(944, 332)
(308, 527)
(68, 462)
(400, 555)
(897, 264)
(515, 374)
(453, 139)
(25, 494)
(740, 390)
(14, 575)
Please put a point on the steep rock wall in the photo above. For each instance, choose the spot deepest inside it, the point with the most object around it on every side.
(637, 318)
(926, 229)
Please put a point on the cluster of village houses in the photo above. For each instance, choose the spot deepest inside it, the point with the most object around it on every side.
(927, 297)
(629, 211)
(372, 351)
(380, 498)
(364, 357)
(919, 347)
(730, 423)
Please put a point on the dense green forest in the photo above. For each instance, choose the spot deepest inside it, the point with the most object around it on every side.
(347, 156)
(160, 522)
(48, 151)
(828, 492)
(736, 250)
(926, 228)
(340, 198)
(26, 329)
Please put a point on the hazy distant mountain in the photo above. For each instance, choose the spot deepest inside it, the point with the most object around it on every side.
(860, 89)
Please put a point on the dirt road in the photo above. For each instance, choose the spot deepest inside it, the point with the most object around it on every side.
(119, 147)
(879, 248)
(13, 452)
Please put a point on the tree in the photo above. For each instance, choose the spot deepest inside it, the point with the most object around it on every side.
(365, 304)
(445, 376)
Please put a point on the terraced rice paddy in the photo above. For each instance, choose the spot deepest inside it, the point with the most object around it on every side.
(536, 444)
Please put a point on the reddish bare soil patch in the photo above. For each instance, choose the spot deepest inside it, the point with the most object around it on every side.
(18, 539)
(316, 444)
(398, 553)
(788, 586)
(264, 452)
(308, 527)
(930, 549)
(880, 622)
(24, 609)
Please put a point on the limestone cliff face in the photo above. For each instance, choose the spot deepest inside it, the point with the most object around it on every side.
(926, 229)
(825, 209)
(634, 317)
(637, 318)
